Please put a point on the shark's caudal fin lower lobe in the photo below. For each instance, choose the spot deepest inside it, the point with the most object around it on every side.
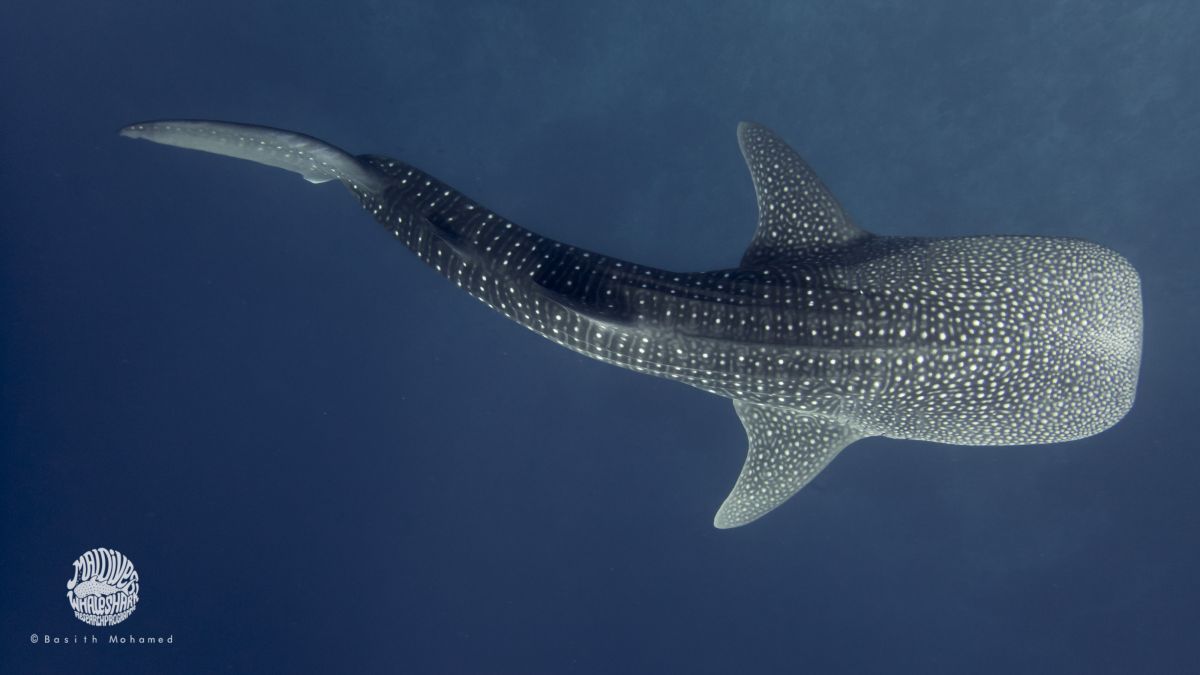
(314, 159)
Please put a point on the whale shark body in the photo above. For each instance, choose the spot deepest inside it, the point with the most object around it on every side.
(824, 334)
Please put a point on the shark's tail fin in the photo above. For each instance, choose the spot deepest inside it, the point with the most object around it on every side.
(314, 159)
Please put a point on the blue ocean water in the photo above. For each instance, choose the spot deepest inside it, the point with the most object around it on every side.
(321, 457)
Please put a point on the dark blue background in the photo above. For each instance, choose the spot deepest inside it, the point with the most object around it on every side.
(324, 458)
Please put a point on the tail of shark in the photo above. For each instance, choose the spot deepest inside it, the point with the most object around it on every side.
(314, 159)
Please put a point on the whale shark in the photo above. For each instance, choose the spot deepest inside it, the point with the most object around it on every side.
(824, 334)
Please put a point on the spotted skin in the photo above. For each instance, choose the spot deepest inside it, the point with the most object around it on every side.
(791, 194)
(824, 334)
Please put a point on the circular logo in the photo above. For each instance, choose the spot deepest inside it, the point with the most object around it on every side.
(104, 590)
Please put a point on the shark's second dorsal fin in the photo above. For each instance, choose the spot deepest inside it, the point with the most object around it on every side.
(797, 215)
(788, 448)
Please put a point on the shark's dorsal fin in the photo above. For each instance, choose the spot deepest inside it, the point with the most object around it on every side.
(798, 216)
(787, 449)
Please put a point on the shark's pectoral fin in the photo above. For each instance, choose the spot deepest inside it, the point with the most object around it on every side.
(787, 449)
(797, 215)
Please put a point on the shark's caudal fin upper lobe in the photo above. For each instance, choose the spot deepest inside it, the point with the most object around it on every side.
(314, 159)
